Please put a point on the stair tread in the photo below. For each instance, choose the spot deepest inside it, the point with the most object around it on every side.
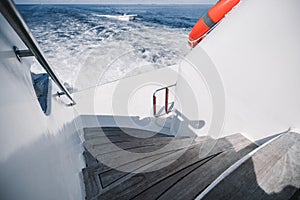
(158, 169)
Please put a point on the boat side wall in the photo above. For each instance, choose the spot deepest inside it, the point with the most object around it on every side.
(255, 52)
(40, 156)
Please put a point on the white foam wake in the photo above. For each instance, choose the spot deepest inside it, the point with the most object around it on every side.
(80, 51)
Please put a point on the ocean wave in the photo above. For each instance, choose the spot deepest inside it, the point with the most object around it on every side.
(81, 42)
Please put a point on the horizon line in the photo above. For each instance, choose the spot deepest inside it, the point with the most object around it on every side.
(114, 4)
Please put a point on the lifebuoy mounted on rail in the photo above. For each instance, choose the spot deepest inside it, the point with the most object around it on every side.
(209, 19)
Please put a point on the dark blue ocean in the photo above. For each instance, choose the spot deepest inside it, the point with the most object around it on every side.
(80, 39)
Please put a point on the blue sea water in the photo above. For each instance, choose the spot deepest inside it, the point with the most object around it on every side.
(77, 39)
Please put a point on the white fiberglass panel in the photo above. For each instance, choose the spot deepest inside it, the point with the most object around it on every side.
(255, 49)
(40, 156)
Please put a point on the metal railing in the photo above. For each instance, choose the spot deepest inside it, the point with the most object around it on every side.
(166, 99)
(12, 15)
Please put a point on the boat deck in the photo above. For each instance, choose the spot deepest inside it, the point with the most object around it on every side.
(121, 166)
(273, 172)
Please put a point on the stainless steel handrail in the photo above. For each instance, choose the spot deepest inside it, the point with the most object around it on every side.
(12, 15)
(166, 98)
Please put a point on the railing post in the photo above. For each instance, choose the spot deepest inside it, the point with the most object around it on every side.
(154, 105)
(167, 100)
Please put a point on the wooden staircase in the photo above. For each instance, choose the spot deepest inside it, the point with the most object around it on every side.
(162, 167)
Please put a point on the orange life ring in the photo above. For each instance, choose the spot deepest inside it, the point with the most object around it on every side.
(209, 19)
